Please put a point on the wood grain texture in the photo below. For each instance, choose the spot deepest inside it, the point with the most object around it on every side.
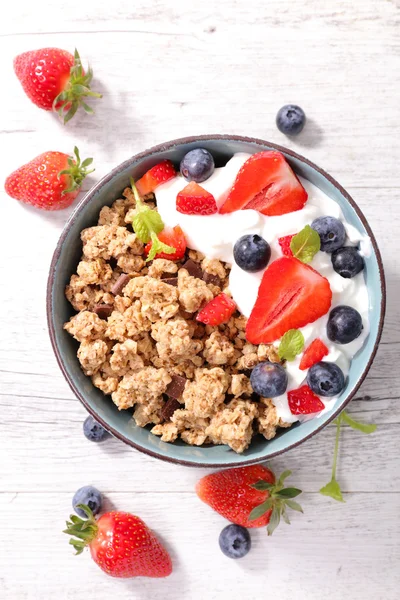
(168, 70)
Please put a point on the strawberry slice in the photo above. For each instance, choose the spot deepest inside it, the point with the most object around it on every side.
(303, 401)
(195, 200)
(266, 183)
(284, 243)
(218, 310)
(290, 296)
(172, 237)
(313, 354)
(160, 173)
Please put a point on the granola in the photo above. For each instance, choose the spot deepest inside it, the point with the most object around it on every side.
(147, 336)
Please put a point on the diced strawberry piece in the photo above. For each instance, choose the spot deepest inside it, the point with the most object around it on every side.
(290, 296)
(195, 200)
(266, 183)
(160, 173)
(313, 354)
(172, 237)
(303, 401)
(284, 243)
(218, 310)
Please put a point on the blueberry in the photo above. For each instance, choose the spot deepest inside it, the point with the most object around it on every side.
(269, 379)
(290, 119)
(197, 165)
(325, 379)
(87, 495)
(234, 541)
(348, 262)
(331, 231)
(93, 430)
(344, 324)
(251, 253)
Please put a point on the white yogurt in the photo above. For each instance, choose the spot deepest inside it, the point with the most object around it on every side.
(215, 236)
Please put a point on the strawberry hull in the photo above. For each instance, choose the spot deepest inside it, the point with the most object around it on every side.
(291, 295)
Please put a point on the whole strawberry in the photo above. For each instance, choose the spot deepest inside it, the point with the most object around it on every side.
(50, 181)
(54, 79)
(120, 544)
(249, 496)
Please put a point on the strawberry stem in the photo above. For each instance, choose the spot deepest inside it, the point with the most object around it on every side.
(78, 87)
(83, 530)
(77, 171)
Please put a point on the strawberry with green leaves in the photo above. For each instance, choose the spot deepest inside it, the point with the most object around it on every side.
(51, 181)
(121, 544)
(54, 79)
(249, 496)
(149, 227)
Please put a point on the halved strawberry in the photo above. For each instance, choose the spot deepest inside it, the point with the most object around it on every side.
(284, 243)
(290, 296)
(195, 200)
(218, 310)
(303, 401)
(313, 354)
(160, 173)
(266, 183)
(172, 237)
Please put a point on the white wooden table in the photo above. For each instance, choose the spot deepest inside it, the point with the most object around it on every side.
(167, 70)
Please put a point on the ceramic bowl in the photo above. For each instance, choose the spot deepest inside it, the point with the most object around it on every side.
(66, 258)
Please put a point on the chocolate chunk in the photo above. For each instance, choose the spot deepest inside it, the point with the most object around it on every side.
(193, 268)
(171, 281)
(185, 315)
(214, 279)
(176, 387)
(103, 310)
(169, 408)
(120, 284)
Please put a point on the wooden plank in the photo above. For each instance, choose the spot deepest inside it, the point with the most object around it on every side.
(325, 552)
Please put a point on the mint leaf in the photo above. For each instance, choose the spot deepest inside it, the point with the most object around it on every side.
(292, 343)
(260, 510)
(157, 247)
(332, 489)
(262, 486)
(140, 228)
(147, 224)
(364, 428)
(294, 505)
(146, 220)
(305, 244)
(274, 520)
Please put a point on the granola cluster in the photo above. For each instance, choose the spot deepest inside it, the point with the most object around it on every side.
(140, 343)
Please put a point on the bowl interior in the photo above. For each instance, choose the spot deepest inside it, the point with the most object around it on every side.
(67, 256)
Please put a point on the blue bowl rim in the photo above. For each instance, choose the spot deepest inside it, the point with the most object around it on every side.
(162, 148)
